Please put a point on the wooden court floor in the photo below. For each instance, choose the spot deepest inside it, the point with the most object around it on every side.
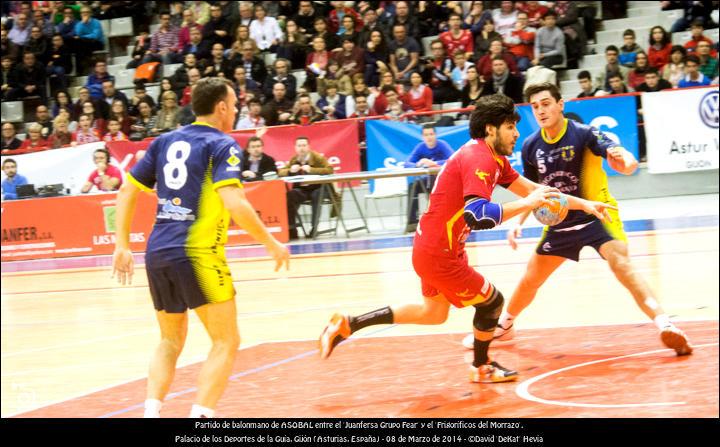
(75, 344)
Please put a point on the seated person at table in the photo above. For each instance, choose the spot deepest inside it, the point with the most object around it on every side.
(306, 161)
(431, 153)
(12, 179)
(106, 177)
(256, 163)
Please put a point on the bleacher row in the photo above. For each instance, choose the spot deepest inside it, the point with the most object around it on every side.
(642, 16)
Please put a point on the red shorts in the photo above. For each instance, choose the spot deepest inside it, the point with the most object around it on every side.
(459, 283)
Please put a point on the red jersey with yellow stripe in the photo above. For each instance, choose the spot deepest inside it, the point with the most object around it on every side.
(473, 170)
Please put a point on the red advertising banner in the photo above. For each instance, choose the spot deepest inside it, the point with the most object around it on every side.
(337, 140)
(57, 227)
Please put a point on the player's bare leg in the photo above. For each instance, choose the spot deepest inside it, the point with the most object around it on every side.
(616, 254)
(173, 331)
(220, 321)
(434, 310)
(538, 270)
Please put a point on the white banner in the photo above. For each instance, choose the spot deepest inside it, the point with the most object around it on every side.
(681, 130)
(70, 166)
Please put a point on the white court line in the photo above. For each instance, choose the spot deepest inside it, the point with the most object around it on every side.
(523, 392)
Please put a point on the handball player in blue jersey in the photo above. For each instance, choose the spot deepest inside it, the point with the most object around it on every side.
(195, 171)
(568, 155)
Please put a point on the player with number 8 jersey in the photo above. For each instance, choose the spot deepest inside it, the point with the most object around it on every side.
(195, 171)
(191, 222)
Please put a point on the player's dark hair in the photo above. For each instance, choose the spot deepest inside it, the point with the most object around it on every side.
(534, 89)
(550, 13)
(584, 75)
(302, 137)
(652, 70)
(615, 74)
(254, 139)
(9, 160)
(629, 32)
(207, 93)
(493, 110)
(612, 48)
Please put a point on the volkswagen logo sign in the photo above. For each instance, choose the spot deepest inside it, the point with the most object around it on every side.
(709, 109)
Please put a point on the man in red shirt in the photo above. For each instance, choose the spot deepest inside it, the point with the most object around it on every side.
(520, 42)
(459, 203)
(456, 38)
(697, 36)
(106, 177)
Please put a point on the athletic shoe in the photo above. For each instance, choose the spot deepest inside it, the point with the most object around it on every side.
(492, 373)
(335, 332)
(676, 339)
(504, 333)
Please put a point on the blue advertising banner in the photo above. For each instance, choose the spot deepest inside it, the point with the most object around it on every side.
(390, 143)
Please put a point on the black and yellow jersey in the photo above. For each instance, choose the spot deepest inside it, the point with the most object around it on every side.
(573, 163)
(186, 167)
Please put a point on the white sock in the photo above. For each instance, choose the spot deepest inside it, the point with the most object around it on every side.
(506, 318)
(152, 408)
(662, 321)
(199, 411)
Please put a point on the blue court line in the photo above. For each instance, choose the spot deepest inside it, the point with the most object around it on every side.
(253, 251)
(496, 235)
(243, 373)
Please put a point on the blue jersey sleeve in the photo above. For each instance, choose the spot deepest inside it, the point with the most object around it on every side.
(144, 173)
(598, 142)
(226, 164)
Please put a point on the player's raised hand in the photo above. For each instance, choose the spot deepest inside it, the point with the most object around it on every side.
(599, 209)
(279, 253)
(123, 265)
(513, 235)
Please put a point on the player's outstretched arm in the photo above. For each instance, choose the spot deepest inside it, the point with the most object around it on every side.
(123, 264)
(599, 209)
(621, 160)
(244, 214)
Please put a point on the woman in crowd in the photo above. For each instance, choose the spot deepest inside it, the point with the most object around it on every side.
(61, 135)
(675, 69)
(660, 47)
(167, 117)
(34, 141)
(119, 112)
(293, 46)
(376, 58)
(145, 122)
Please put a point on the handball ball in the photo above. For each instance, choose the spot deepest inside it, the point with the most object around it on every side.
(554, 213)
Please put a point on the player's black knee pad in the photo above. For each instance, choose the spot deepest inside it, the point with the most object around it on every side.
(487, 313)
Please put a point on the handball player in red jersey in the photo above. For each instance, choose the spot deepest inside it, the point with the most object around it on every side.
(460, 202)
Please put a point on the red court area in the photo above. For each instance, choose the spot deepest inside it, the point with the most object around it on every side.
(597, 371)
